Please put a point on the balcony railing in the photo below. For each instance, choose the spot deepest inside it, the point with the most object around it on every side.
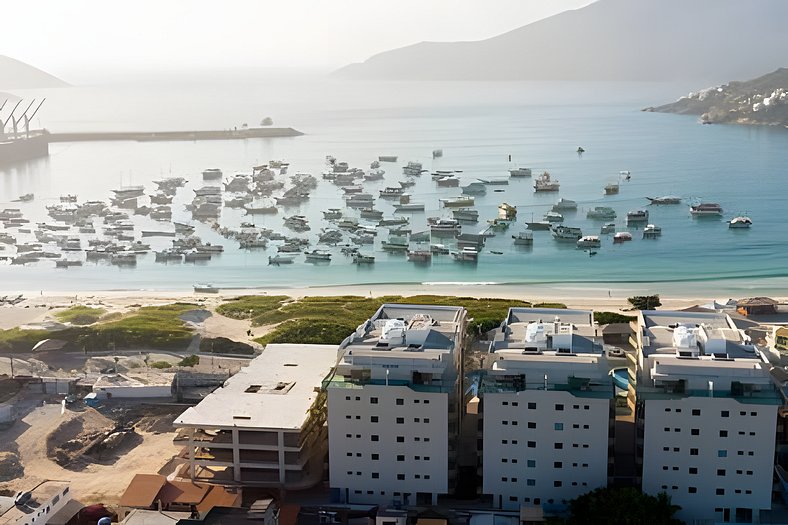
(597, 391)
(343, 382)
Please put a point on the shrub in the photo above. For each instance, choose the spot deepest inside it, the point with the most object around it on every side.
(309, 331)
(160, 364)
(644, 302)
(80, 315)
(222, 345)
(191, 360)
(612, 317)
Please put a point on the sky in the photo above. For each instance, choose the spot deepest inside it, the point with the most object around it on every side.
(87, 39)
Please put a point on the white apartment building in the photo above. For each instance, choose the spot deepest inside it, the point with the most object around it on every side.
(393, 406)
(706, 414)
(548, 410)
(266, 425)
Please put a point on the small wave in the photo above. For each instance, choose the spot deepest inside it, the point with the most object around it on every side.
(460, 283)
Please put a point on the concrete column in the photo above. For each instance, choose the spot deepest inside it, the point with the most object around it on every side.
(236, 456)
(281, 439)
(190, 444)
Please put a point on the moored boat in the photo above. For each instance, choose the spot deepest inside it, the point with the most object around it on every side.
(589, 241)
(566, 233)
(621, 237)
(651, 231)
(520, 172)
(524, 238)
(740, 222)
(706, 209)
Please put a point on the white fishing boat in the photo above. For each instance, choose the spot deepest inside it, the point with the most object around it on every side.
(467, 254)
(449, 181)
(466, 215)
(439, 249)
(589, 241)
(546, 184)
(475, 188)
(520, 172)
(553, 216)
(412, 168)
(538, 225)
(706, 209)
(667, 199)
(280, 258)
(457, 202)
(604, 213)
(740, 222)
(332, 213)
(651, 231)
(565, 205)
(608, 228)
(621, 237)
(637, 216)
(611, 189)
(524, 238)
(205, 288)
(392, 192)
(408, 207)
(371, 214)
(566, 233)
(494, 182)
(445, 227)
(212, 174)
(318, 255)
(420, 255)
(395, 244)
(360, 258)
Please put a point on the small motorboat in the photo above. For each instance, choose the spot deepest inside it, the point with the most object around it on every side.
(281, 259)
(740, 222)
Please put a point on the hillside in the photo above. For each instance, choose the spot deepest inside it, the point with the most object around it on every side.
(761, 101)
(615, 40)
(18, 75)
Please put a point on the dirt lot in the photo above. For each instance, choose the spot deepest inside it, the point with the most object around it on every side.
(98, 480)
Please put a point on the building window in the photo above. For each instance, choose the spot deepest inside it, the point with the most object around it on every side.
(373, 400)
(723, 433)
(531, 424)
(531, 463)
(349, 454)
(426, 458)
(695, 411)
(347, 398)
(693, 470)
(375, 457)
(400, 439)
(426, 420)
(720, 492)
(693, 452)
(720, 471)
(530, 482)
(558, 464)
(722, 453)
(725, 413)
(400, 420)
(692, 490)
(375, 437)
(532, 444)
(504, 479)
(557, 483)
(376, 475)
(558, 446)
(695, 432)
(400, 457)
(559, 407)
(373, 419)
(559, 426)
(401, 477)
(515, 404)
(426, 402)
(416, 420)
(400, 401)
(426, 476)
(531, 406)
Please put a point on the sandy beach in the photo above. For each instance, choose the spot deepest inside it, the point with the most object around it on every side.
(39, 306)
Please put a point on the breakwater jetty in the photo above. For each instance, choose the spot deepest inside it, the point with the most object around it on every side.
(147, 136)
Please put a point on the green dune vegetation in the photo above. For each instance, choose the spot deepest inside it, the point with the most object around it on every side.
(154, 327)
(329, 320)
(80, 315)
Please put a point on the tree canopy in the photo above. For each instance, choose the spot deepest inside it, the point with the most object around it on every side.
(622, 506)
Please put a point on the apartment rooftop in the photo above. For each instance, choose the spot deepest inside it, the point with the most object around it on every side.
(693, 334)
(701, 354)
(401, 330)
(275, 391)
(548, 331)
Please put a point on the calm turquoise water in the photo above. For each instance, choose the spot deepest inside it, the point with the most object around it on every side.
(477, 125)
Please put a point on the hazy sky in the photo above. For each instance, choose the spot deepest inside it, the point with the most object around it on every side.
(80, 38)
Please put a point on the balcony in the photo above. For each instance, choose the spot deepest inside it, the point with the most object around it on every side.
(346, 382)
(767, 396)
(578, 387)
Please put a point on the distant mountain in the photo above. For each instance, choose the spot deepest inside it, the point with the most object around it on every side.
(621, 40)
(18, 75)
(761, 101)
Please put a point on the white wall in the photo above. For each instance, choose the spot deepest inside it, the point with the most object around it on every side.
(120, 392)
(351, 449)
(749, 451)
(583, 458)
